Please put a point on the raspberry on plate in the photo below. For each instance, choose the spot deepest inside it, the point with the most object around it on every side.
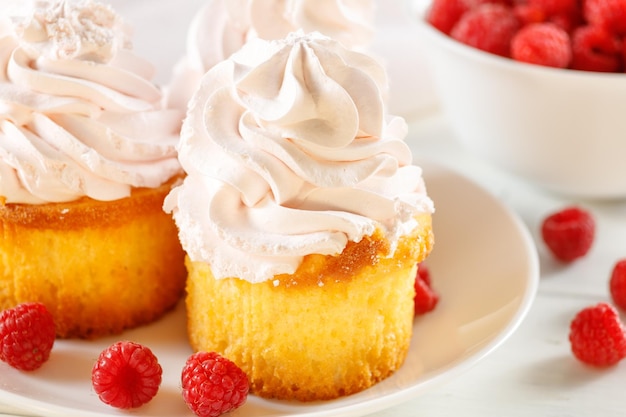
(126, 375)
(542, 44)
(426, 298)
(597, 336)
(617, 284)
(489, 27)
(27, 334)
(569, 233)
(213, 385)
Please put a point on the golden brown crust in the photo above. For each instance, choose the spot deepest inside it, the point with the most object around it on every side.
(85, 211)
(314, 336)
(100, 267)
(319, 269)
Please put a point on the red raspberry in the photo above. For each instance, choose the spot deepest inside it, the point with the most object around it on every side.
(213, 385)
(489, 27)
(542, 44)
(443, 14)
(556, 7)
(528, 14)
(126, 375)
(595, 49)
(569, 233)
(597, 336)
(27, 334)
(426, 298)
(617, 284)
(609, 14)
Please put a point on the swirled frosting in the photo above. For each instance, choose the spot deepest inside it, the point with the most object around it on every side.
(288, 152)
(221, 27)
(79, 115)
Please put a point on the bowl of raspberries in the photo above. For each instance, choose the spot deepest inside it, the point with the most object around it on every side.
(537, 87)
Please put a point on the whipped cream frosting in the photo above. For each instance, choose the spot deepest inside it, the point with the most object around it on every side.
(221, 27)
(79, 115)
(288, 152)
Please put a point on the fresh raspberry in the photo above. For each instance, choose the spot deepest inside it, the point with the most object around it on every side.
(595, 49)
(426, 298)
(617, 284)
(597, 336)
(27, 334)
(569, 233)
(443, 14)
(528, 14)
(609, 14)
(213, 385)
(542, 44)
(489, 27)
(126, 375)
(556, 7)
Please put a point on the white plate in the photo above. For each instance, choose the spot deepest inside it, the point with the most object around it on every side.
(484, 266)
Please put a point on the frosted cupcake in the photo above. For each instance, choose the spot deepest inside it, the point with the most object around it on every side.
(303, 219)
(87, 156)
(222, 27)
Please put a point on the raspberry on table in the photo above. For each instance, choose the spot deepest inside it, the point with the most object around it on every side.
(595, 49)
(569, 233)
(213, 385)
(126, 375)
(488, 27)
(27, 334)
(597, 336)
(542, 44)
(617, 284)
(426, 298)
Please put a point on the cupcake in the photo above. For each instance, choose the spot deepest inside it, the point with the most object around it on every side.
(302, 217)
(221, 27)
(87, 155)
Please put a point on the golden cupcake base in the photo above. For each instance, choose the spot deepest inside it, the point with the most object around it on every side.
(100, 267)
(335, 327)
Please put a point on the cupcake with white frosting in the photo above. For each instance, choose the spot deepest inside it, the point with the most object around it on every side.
(303, 219)
(222, 27)
(87, 155)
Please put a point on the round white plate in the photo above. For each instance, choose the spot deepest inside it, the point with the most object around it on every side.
(484, 266)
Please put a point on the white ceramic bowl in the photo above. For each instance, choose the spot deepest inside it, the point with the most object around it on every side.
(561, 129)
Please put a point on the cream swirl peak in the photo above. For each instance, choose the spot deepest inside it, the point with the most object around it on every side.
(69, 30)
(79, 115)
(222, 27)
(288, 153)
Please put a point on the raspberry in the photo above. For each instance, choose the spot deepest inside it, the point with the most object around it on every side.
(597, 336)
(126, 375)
(489, 27)
(425, 299)
(528, 14)
(569, 233)
(443, 14)
(595, 49)
(27, 334)
(617, 284)
(213, 385)
(542, 44)
(609, 14)
(556, 7)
